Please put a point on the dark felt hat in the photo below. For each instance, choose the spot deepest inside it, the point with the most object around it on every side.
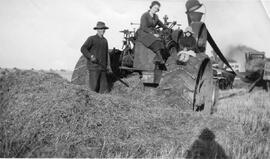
(100, 25)
(192, 5)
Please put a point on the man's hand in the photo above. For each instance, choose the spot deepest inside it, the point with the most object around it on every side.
(93, 59)
(109, 69)
(201, 42)
(156, 35)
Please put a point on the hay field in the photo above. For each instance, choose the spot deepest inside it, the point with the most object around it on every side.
(44, 115)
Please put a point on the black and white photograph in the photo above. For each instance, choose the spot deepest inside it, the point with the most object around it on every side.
(184, 79)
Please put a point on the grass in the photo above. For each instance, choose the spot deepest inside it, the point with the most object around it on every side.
(44, 115)
(252, 112)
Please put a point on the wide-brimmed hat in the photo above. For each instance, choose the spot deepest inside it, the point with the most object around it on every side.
(100, 25)
(192, 5)
(189, 29)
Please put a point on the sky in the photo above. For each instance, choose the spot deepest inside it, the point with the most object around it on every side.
(47, 34)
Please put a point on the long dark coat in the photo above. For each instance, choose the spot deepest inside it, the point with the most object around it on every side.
(187, 42)
(147, 28)
(97, 46)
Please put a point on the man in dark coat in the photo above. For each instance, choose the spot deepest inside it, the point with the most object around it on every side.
(95, 49)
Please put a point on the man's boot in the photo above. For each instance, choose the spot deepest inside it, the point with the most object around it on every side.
(158, 58)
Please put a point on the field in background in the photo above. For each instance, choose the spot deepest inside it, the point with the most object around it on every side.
(66, 74)
(43, 115)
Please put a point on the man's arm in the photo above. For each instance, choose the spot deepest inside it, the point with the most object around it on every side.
(108, 59)
(86, 47)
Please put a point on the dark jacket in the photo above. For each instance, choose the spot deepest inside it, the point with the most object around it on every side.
(147, 28)
(97, 46)
(187, 42)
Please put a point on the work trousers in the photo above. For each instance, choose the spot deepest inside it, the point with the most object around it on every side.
(98, 81)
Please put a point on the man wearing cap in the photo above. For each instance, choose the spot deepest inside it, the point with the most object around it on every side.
(95, 49)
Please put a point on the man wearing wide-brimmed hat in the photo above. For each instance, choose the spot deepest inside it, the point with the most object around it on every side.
(95, 49)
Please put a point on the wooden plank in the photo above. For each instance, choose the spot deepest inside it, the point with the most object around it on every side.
(127, 68)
